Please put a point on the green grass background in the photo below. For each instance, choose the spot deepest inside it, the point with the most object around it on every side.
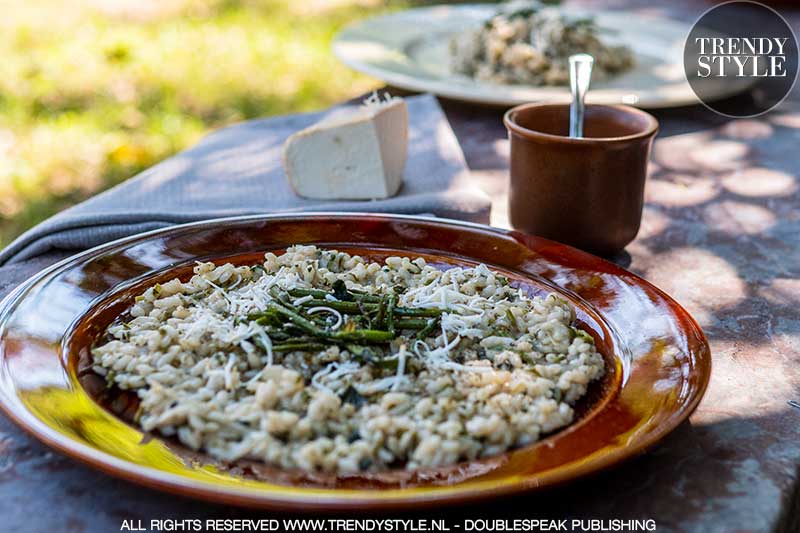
(94, 91)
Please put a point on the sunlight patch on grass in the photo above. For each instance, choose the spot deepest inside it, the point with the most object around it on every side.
(95, 91)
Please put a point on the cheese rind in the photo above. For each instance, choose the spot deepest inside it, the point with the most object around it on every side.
(357, 155)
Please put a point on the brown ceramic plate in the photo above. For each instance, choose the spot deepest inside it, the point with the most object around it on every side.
(657, 358)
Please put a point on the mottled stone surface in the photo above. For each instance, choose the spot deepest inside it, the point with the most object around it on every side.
(721, 233)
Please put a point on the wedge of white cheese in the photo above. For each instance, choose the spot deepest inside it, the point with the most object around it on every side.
(357, 154)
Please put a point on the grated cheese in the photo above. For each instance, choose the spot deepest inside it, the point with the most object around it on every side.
(333, 371)
(401, 366)
(334, 312)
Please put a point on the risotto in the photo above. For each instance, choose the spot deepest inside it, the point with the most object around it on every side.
(530, 45)
(322, 361)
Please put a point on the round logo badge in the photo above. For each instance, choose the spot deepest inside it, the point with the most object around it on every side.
(741, 45)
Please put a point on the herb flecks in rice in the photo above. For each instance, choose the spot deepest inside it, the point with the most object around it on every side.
(485, 369)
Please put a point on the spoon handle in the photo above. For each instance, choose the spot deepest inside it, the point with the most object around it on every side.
(580, 75)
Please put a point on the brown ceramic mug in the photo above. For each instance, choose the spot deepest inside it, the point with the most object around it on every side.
(586, 192)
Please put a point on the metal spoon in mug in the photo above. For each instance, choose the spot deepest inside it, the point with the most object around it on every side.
(580, 76)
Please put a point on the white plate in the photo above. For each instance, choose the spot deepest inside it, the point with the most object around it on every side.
(409, 50)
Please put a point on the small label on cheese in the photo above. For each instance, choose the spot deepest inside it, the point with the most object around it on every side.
(353, 154)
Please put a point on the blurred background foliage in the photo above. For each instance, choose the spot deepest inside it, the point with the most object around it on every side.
(94, 91)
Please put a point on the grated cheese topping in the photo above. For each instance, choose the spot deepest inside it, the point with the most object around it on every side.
(323, 361)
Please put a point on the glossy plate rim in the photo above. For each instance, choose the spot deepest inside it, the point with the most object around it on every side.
(320, 499)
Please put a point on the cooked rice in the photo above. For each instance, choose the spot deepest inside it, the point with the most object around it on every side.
(530, 45)
(501, 370)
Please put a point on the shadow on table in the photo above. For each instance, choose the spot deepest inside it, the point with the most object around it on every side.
(483, 136)
(688, 478)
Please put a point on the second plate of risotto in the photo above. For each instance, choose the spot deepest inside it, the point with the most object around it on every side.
(343, 361)
(516, 52)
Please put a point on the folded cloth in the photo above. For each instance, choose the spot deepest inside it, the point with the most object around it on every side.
(238, 171)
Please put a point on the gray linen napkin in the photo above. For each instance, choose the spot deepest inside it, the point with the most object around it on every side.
(238, 171)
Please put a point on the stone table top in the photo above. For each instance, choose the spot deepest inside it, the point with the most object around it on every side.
(721, 234)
